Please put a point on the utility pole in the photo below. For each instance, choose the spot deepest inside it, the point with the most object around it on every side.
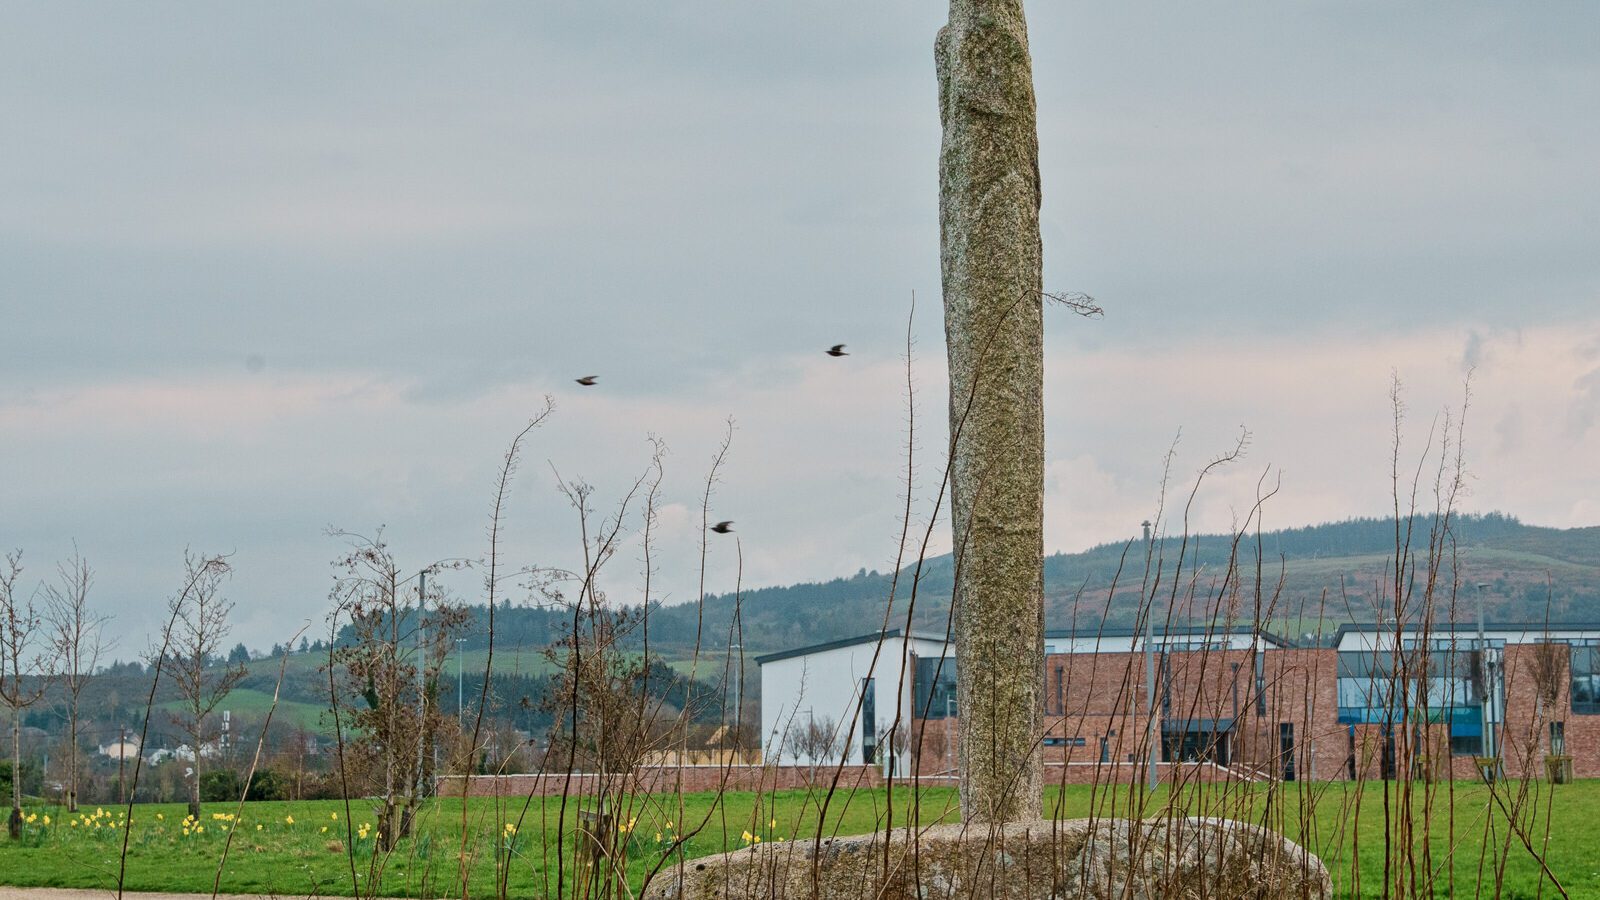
(949, 745)
(1489, 748)
(422, 679)
(122, 757)
(1151, 737)
(459, 682)
(738, 693)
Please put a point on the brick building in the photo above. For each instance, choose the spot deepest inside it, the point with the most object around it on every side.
(1235, 703)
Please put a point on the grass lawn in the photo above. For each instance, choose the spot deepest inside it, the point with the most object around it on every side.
(306, 847)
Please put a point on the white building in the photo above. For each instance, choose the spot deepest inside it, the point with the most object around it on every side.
(840, 701)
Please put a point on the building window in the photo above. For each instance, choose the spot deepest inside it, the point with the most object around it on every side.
(933, 687)
(1286, 749)
(1443, 680)
(1261, 684)
(1586, 677)
(869, 715)
(1165, 668)
(1064, 742)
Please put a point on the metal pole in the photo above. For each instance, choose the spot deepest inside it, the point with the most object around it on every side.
(460, 703)
(949, 745)
(738, 693)
(1149, 672)
(1488, 747)
(422, 679)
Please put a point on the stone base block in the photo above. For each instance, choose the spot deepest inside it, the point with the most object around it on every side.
(1114, 859)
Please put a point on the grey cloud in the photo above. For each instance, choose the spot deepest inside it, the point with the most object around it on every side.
(1473, 355)
(1584, 410)
(447, 201)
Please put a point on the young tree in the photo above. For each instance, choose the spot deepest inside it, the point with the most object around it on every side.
(76, 639)
(400, 639)
(815, 739)
(605, 701)
(199, 623)
(991, 260)
(21, 684)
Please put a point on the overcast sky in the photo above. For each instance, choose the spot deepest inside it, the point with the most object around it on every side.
(267, 268)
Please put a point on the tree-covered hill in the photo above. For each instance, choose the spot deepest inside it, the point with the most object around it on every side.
(1331, 570)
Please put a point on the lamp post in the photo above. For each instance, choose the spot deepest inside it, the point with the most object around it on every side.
(737, 650)
(1149, 671)
(459, 681)
(1489, 748)
(949, 745)
(422, 679)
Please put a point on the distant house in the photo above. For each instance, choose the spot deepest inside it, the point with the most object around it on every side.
(127, 749)
(850, 701)
(208, 750)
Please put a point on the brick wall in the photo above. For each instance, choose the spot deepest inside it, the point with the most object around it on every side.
(666, 779)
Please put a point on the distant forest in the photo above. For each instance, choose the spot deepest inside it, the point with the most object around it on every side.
(1329, 572)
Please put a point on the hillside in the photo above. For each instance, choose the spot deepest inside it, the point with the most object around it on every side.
(1329, 572)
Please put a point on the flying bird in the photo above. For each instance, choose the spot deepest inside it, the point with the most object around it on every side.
(723, 527)
(588, 380)
(837, 350)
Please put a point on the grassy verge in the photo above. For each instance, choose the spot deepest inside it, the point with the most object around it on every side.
(325, 847)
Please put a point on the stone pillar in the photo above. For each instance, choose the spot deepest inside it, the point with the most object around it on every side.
(991, 259)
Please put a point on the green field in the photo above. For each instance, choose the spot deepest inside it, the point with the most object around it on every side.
(322, 848)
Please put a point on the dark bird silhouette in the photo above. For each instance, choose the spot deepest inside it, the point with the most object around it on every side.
(723, 527)
(837, 350)
(588, 380)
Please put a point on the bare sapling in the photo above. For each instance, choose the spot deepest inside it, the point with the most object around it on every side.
(77, 638)
(22, 672)
(399, 637)
(203, 679)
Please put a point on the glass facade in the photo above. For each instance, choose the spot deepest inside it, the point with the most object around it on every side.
(1586, 676)
(933, 687)
(1444, 684)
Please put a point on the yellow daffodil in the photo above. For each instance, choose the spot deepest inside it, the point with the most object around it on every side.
(288, 820)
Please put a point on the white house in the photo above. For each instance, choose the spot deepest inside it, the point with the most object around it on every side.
(842, 700)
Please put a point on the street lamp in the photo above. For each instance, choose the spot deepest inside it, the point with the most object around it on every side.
(1149, 669)
(1489, 748)
(949, 745)
(459, 666)
(738, 693)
